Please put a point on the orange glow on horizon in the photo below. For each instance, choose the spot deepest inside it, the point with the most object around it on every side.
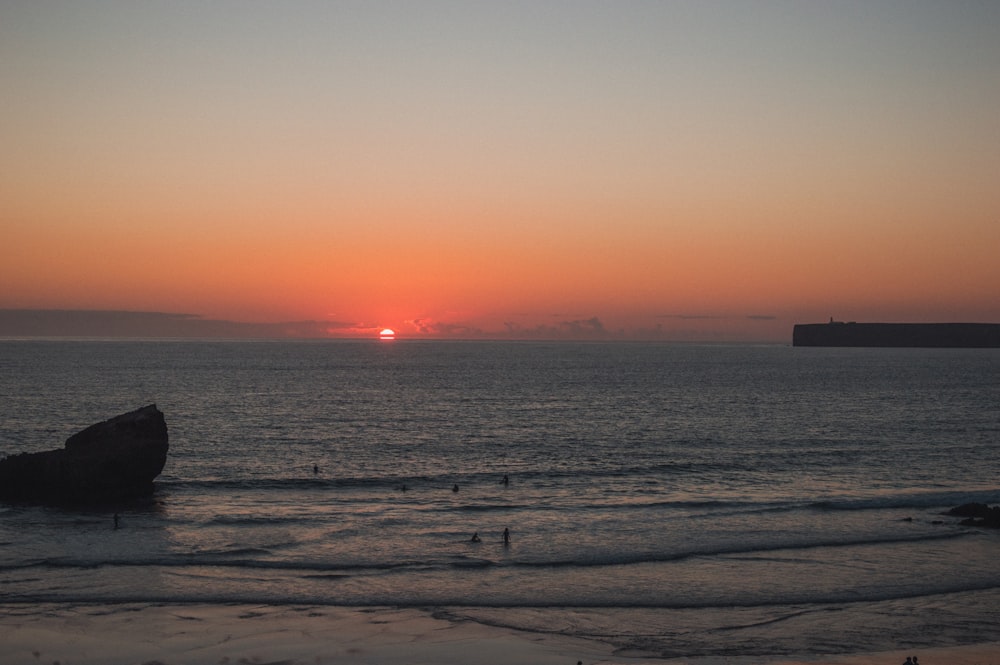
(626, 192)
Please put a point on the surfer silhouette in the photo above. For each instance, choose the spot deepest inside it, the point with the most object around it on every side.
(506, 536)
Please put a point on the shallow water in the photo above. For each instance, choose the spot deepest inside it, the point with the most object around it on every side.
(674, 499)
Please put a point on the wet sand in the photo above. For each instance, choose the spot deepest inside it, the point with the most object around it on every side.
(290, 635)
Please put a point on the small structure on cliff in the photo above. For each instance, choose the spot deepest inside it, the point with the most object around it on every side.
(112, 460)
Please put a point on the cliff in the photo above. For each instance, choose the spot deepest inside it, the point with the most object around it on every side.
(927, 335)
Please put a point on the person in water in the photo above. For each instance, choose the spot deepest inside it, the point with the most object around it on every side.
(475, 537)
(506, 480)
(506, 536)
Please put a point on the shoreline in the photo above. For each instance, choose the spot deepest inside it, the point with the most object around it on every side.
(194, 634)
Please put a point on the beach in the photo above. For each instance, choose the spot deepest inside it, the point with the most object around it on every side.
(294, 635)
(202, 634)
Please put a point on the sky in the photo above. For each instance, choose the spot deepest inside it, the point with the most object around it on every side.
(703, 170)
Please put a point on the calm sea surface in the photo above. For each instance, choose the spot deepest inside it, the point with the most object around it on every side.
(670, 499)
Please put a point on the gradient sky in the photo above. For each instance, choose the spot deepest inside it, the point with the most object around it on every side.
(675, 170)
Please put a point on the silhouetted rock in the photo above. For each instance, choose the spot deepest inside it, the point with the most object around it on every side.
(115, 459)
(978, 514)
(970, 510)
(927, 335)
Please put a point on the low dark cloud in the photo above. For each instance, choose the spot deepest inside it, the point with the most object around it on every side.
(713, 317)
(110, 323)
(127, 324)
(591, 328)
(691, 317)
(445, 329)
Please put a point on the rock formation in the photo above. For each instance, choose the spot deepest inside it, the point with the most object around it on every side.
(113, 460)
(927, 335)
(978, 514)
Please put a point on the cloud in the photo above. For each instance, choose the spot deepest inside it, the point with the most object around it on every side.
(586, 327)
(591, 328)
(690, 317)
(128, 324)
(445, 329)
(714, 317)
(113, 323)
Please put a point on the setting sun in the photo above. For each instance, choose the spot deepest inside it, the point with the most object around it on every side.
(387, 333)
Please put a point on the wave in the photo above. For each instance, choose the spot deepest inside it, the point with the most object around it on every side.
(208, 561)
(629, 501)
(444, 480)
(646, 558)
(251, 551)
(915, 501)
(250, 520)
(478, 508)
(925, 500)
(721, 508)
(400, 600)
(250, 558)
(275, 484)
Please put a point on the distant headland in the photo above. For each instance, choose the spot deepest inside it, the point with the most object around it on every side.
(925, 335)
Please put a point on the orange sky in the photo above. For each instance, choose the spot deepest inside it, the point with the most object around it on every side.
(671, 170)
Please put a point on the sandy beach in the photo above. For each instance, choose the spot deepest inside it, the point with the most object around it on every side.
(289, 635)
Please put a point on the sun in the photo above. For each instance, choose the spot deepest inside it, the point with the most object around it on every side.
(387, 334)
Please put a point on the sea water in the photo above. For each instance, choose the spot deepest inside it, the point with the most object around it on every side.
(697, 500)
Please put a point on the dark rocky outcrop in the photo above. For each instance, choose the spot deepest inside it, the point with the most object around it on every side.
(978, 514)
(113, 460)
(926, 335)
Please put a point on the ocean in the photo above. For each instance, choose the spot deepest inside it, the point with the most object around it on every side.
(670, 499)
